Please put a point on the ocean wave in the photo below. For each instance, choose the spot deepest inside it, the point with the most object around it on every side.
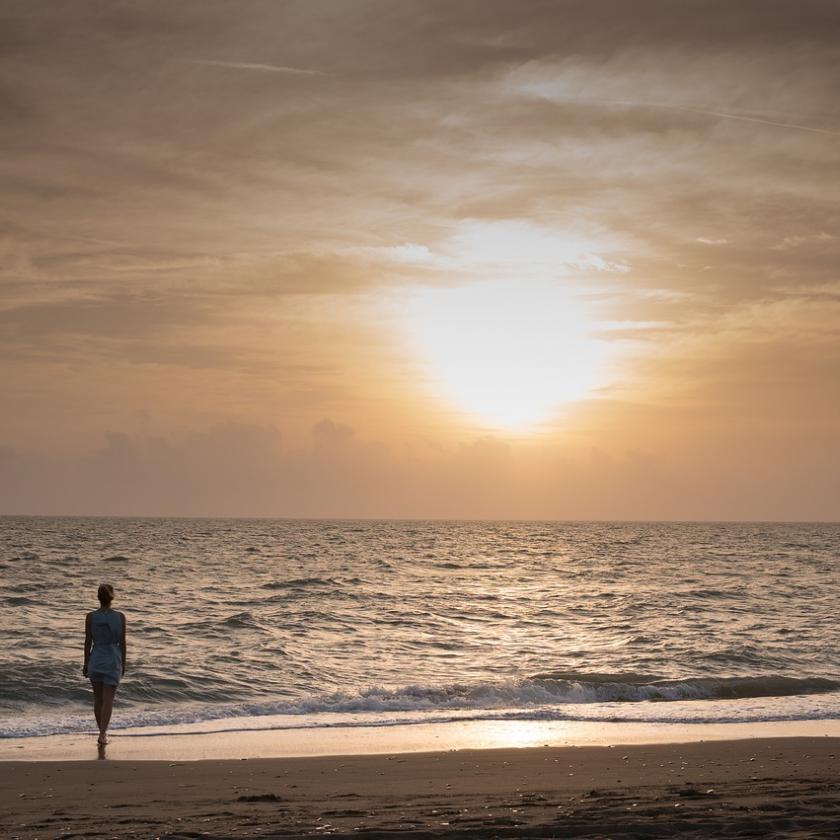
(29, 682)
(636, 687)
(562, 689)
(554, 696)
(262, 717)
(239, 621)
(17, 600)
(298, 583)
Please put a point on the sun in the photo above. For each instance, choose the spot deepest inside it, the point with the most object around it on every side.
(509, 354)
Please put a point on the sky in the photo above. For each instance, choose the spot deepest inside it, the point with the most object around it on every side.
(420, 259)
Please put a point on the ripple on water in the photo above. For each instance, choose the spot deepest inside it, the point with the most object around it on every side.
(299, 606)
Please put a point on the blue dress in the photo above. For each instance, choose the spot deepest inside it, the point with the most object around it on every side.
(105, 663)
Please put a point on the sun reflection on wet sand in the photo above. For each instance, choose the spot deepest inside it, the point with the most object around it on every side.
(177, 744)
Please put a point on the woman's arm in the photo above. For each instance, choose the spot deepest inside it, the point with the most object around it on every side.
(88, 644)
(122, 642)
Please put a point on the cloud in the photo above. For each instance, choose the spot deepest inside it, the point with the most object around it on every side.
(790, 242)
(209, 247)
(243, 65)
(710, 112)
(244, 470)
(762, 120)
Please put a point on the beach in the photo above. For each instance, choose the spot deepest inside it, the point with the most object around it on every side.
(759, 787)
(427, 678)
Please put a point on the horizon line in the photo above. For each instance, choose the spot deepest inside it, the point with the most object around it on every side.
(593, 521)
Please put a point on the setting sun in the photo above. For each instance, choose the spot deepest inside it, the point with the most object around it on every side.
(507, 353)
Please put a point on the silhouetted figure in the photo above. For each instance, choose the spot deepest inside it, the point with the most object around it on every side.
(104, 656)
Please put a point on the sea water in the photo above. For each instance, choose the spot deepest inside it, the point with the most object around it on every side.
(326, 623)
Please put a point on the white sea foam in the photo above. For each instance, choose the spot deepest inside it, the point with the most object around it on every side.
(601, 697)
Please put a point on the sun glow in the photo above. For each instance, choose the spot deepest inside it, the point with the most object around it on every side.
(507, 353)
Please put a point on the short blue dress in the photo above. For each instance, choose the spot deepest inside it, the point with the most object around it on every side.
(105, 663)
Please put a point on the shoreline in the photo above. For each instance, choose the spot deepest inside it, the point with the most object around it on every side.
(767, 787)
(256, 738)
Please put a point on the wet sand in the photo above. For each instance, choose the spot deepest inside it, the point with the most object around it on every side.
(761, 787)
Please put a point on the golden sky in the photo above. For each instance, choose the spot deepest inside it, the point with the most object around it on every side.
(416, 258)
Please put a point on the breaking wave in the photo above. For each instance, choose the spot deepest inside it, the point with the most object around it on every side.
(548, 696)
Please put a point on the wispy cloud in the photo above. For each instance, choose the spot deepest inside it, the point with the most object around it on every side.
(247, 65)
(686, 109)
(707, 112)
(728, 115)
(790, 242)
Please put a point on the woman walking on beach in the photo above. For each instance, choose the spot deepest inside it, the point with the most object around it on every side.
(104, 656)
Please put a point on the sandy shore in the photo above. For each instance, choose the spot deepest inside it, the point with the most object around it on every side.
(235, 739)
(778, 787)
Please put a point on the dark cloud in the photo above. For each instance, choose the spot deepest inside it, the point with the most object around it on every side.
(244, 470)
(408, 123)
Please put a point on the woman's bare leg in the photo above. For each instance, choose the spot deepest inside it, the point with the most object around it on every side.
(97, 702)
(108, 692)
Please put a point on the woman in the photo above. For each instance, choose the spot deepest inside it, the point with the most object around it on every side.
(104, 656)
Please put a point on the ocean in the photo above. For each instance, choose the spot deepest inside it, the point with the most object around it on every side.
(346, 623)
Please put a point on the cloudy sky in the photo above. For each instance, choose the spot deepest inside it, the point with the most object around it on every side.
(421, 258)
